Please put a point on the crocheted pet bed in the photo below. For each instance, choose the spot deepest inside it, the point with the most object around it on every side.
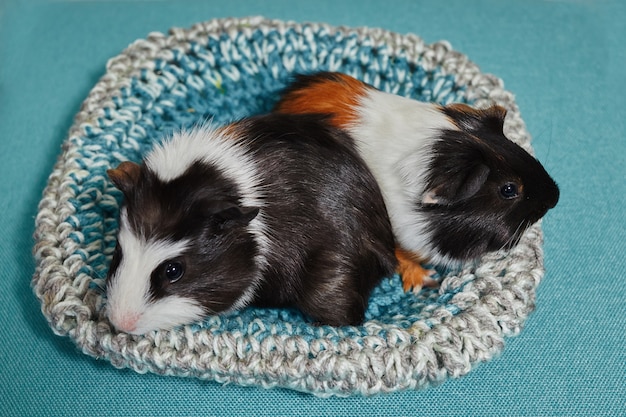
(229, 68)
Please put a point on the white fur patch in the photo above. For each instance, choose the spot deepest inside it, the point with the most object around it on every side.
(224, 149)
(129, 306)
(167, 313)
(394, 135)
(214, 147)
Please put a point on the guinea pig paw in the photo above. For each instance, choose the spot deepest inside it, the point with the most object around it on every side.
(414, 275)
(417, 278)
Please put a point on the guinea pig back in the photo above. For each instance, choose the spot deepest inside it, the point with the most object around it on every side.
(275, 211)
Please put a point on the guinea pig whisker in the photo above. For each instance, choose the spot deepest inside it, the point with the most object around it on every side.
(515, 236)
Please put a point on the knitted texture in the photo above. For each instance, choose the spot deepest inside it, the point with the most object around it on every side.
(226, 69)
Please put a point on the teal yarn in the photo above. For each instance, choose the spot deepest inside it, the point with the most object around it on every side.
(223, 70)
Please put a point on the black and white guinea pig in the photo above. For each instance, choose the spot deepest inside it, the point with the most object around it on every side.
(270, 211)
(455, 187)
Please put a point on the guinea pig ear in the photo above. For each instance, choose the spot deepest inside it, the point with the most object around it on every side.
(457, 187)
(125, 176)
(474, 120)
(225, 212)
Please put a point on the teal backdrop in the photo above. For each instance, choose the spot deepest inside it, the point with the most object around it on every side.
(564, 60)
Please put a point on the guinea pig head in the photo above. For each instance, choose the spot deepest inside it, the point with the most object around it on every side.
(482, 190)
(183, 248)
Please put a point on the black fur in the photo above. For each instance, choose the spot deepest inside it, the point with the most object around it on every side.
(465, 176)
(331, 240)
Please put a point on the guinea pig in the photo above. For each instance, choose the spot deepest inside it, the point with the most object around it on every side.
(455, 187)
(270, 211)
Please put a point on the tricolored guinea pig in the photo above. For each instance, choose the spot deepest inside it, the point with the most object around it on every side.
(455, 187)
(271, 211)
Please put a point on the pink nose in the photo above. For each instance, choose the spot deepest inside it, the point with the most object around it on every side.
(124, 322)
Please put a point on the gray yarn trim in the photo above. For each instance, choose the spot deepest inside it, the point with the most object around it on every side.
(495, 296)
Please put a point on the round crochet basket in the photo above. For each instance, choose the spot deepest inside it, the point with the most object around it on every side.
(226, 69)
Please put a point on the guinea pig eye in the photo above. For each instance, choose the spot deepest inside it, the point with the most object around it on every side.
(172, 271)
(509, 191)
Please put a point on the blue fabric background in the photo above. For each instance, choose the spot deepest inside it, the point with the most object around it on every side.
(566, 63)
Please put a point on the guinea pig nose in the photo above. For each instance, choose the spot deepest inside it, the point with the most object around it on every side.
(126, 323)
(549, 196)
(557, 195)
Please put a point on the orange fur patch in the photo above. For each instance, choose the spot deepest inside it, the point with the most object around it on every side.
(338, 98)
